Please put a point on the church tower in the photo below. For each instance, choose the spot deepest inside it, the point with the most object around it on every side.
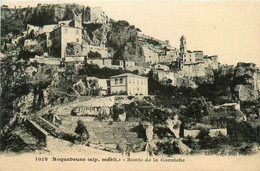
(183, 46)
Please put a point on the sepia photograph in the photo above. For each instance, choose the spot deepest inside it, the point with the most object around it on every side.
(130, 85)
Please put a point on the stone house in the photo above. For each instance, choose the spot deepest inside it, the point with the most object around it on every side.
(198, 56)
(102, 50)
(101, 83)
(166, 77)
(44, 36)
(150, 56)
(160, 67)
(189, 58)
(147, 68)
(66, 32)
(63, 35)
(129, 65)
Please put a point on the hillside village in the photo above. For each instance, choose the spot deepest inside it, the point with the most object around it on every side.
(64, 43)
(80, 68)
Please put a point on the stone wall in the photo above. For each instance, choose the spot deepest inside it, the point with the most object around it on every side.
(38, 131)
(212, 132)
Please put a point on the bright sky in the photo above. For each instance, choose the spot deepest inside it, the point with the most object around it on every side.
(230, 30)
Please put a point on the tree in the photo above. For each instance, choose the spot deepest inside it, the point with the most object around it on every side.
(198, 109)
(204, 138)
(82, 131)
(31, 35)
(94, 54)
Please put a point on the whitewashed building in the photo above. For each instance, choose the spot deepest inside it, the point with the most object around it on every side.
(129, 84)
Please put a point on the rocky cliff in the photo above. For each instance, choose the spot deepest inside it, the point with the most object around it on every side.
(28, 88)
(245, 80)
(119, 36)
(15, 19)
(123, 39)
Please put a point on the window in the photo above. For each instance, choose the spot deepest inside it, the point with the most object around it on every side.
(137, 81)
(121, 80)
(77, 40)
(116, 81)
(129, 80)
(142, 81)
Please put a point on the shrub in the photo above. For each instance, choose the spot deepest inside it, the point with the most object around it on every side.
(241, 132)
(82, 132)
(117, 110)
(204, 139)
(94, 54)
(102, 117)
(192, 143)
(68, 137)
(169, 147)
(247, 149)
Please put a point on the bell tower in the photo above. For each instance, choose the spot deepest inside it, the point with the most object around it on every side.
(183, 46)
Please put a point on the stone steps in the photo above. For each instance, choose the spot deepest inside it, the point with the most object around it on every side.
(46, 126)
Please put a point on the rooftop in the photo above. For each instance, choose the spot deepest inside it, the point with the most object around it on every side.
(128, 75)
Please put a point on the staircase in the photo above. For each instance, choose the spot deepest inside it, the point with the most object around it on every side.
(47, 126)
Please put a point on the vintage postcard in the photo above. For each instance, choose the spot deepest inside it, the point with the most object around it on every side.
(130, 85)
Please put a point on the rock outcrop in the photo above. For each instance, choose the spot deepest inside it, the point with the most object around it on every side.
(120, 36)
(245, 82)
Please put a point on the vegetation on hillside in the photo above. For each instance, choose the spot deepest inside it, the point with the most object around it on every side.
(94, 70)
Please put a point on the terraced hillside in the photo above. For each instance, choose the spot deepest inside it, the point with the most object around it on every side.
(107, 134)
